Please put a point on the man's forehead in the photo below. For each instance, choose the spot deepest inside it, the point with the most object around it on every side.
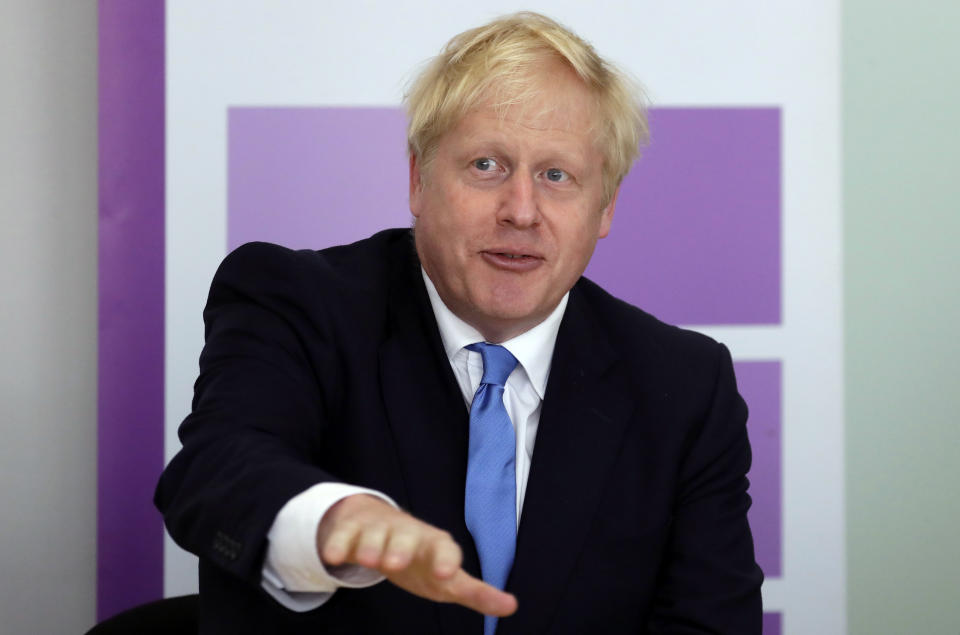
(541, 115)
(558, 102)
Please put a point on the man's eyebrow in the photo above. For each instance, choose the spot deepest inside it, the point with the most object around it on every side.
(483, 145)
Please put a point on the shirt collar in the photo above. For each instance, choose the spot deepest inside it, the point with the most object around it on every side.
(532, 348)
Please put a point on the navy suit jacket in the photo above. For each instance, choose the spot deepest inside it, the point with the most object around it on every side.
(328, 366)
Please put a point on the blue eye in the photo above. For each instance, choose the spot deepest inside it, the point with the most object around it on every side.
(486, 164)
(556, 175)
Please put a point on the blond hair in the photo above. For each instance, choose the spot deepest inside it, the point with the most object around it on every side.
(499, 61)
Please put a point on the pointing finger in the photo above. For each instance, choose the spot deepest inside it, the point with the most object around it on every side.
(481, 597)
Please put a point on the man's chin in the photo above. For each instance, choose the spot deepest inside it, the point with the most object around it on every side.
(510, 321)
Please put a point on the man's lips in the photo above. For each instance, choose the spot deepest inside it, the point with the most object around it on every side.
(512, 259)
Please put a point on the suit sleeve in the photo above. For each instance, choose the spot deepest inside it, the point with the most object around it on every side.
(710, 582)
(261, 404)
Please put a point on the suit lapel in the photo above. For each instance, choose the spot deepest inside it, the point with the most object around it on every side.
(429, 423)
(581, 426)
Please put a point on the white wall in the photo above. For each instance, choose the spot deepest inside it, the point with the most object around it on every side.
(48, 257)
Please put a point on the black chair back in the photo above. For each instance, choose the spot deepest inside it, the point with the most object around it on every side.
(172, 616)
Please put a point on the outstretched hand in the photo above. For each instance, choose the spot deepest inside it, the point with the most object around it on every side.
(415, 556)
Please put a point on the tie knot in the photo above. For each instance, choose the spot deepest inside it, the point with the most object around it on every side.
(498, 363)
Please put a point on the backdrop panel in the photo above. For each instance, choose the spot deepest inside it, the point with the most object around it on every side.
(130, 306)
(282, 124)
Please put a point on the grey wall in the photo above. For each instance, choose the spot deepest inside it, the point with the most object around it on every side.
(48, 241)
(902, 223)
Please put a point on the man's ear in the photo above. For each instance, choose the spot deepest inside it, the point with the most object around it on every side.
(416, 186)
(606, 215)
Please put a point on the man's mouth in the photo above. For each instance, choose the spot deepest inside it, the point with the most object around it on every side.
(512, 260)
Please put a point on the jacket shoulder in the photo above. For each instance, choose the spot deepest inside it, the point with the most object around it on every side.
(338, 289)
(368, 258)
(366, 267)
(637, 332)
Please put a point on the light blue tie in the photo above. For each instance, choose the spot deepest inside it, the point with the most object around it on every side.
(490, 507)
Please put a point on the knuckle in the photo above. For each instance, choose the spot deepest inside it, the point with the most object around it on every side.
(338, 538)
(346, 528)
(403, 541)
(374, 527)
(440, 537)
(372, 539)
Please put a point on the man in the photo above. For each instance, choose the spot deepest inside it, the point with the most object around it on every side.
(595, 480)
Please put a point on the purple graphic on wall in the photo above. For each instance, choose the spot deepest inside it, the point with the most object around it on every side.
(315, 177)
(696, 235)
(759, 384)
(772, 624)
(695, 240)
(131, 303)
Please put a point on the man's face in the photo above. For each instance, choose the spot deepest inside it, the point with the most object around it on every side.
(509, 210)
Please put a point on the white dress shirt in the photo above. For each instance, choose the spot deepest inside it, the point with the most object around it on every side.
(293, 572)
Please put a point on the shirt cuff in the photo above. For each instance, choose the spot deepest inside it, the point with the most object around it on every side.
(293, 573)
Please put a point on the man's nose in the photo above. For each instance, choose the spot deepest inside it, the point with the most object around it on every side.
(519, 205)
